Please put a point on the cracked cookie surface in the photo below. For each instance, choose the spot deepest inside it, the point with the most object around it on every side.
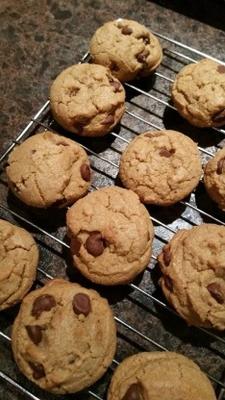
(159, 375)
(128, 48)
(64, 337)
(48, 170)
(193, 275)
(18, 263)
(87, 100)
(111, 235)
(162, 167)
(198, 93)
(214, 178)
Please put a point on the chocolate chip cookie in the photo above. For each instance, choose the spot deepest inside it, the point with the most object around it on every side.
(64, 337)
(128, 48)
(193, 275)
(159, 376)
(162, 167)
(198, 93)
(111, 235)
(214, 178)
(18, 263)
(48, 170)
(87, 100)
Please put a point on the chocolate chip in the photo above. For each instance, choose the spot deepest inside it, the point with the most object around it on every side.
(219, 117)
(221, 69)
(145, 38)
(141, 57)
(75, 245)
(163, 152)
(95, 244)
(168, 282)
(166, 255)
(108, 120)
(42, 303)
(81, 304)
(34, 333)
(38, 370)
(135, 392)
(126, 30)
(220, 166)
(216, 292)
(85, 172)
(116, 86)
(33, 151)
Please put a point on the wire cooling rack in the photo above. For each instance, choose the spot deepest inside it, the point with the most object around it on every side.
(144, 320)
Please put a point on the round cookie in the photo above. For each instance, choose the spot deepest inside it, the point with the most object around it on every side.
(162, 167)
(214, 178)
(193, 275)
(87, 100)
(48, 170)
(159, 376)
(198, 93)
(18, 263)
(64, 337)
(128, 48)
(111, 235)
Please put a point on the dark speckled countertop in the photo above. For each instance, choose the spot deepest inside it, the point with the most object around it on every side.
(38, 39)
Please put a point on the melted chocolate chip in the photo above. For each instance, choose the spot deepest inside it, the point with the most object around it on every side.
(81, 304)
(85, 172)
(166, 255)
(219, 117)
(116, 86)
(95, 244)
(42, 303)
(108, 120)
(141, 57)
(135, 392)
(145, 38)
(220, 166)
(221, 69)
(163, 152)
(75, 246)
(126, 30)
(34, 333)
(168, 283)
(38, 370)
(216, 292)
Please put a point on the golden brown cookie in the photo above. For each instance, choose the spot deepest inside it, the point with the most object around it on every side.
(128, 48)
(162, 167)
(18, 263)
(193, 275)
(111, 235)
(198, 93)
(214, 178)
(64, 337)
(159, 376)
(48, 170)
(87, 100)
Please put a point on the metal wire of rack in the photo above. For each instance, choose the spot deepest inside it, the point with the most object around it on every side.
(39, 120)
